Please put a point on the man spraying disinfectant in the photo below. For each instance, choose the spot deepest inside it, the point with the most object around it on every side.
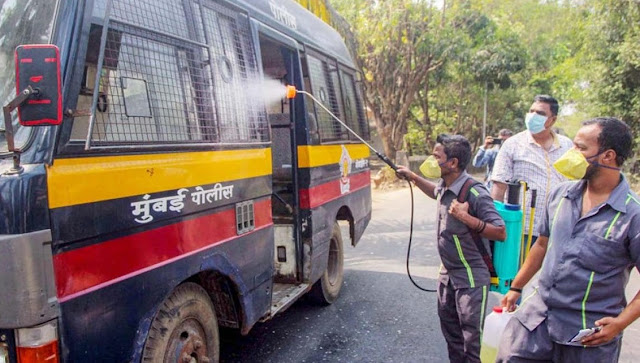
(463, 229)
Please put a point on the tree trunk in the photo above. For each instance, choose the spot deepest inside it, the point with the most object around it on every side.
(387, 143)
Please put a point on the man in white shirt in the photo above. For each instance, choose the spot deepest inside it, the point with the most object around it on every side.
(529, 156)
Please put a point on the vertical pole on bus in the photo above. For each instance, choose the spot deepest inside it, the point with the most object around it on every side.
(96, 84)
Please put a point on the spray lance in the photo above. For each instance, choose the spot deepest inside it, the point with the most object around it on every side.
(291, 93)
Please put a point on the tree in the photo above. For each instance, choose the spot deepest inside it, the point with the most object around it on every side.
(400, 42)
(616, 49)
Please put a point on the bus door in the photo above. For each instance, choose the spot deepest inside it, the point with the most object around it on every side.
(281, 66)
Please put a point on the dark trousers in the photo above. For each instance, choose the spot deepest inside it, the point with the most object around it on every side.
(462, 313)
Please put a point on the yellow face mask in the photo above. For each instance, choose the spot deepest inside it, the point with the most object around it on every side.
(431, 168)
(572, 164)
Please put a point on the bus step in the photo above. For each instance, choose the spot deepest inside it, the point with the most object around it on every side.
(284, 295)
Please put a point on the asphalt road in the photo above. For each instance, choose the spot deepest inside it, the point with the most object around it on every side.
(380, 316)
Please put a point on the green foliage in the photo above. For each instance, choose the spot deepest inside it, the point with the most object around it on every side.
(617, 55)
(415, 140)
(585, 53)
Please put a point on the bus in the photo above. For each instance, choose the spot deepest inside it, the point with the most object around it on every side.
(155, 184)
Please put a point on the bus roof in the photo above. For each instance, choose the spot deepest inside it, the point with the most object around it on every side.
(293, 19)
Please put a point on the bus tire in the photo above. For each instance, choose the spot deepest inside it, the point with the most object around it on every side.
(326, 290)
(184, 329)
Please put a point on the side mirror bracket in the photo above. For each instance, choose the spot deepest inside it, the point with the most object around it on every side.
(8, 126)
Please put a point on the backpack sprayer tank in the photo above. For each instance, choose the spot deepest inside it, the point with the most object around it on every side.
(506, 254)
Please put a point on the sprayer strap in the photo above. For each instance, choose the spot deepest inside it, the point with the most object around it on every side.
(463, 197)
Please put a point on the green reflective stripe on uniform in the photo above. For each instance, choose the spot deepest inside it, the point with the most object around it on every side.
(629, 198)
(483, 311)
(474, 192)
(632, 198)
(611, 225)
(584, 301)
(464, 261)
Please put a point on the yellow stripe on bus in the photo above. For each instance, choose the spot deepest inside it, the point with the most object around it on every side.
(93, 179)
(310, 156)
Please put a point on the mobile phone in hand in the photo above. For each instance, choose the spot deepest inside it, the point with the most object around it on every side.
(496, 141)
(583, 333)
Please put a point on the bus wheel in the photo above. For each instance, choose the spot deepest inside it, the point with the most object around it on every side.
(325, 291)
(185, 329)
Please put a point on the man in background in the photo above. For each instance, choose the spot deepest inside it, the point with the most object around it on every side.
(486, 154)
(529, 155)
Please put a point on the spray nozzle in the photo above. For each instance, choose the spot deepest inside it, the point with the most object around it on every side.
(291, 92)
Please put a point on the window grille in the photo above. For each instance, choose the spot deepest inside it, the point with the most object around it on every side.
(245, 219)
(354, 112)
(175, 72)
(236, 68)
(327, 91)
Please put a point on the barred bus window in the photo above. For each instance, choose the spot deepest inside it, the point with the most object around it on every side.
(193, 62)
(362, 115)
(165, 16)
(168, 81)
(234, 71)
(354, 113)
(334, 79)
(323, 88)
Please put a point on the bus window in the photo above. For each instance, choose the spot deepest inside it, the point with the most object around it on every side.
(165, 108)
(274, 69)
(354, 113)
(236, 70)
(312, 120)
(325, 90)
(334, 77)
(184, 82)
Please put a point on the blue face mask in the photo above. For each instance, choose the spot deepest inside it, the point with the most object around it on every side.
(534, 122)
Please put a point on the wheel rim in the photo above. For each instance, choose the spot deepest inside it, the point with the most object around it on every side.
(188, 343)
(333, 263)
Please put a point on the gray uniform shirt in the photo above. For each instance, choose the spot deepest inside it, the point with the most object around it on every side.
(588, 260)
(462, 263)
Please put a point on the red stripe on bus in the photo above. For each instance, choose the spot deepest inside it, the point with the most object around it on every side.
(324, 193)
(26, 60)
(50, 60)
(39, 102)
(90, 268)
